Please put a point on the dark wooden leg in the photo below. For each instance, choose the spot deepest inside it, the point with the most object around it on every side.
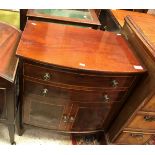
(19, 125)
(20, 129)
(23, 18)
(102, 138)
(11, 129)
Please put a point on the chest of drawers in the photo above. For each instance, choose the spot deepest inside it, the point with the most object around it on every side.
(73, 79)
(8, 77)
(136, 122)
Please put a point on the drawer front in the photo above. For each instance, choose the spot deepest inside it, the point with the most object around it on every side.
(143, 121)
(70, 78)
(131, 137)
(44, 90)
(150, 105)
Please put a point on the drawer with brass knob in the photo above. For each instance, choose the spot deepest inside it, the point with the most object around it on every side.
(72, 78)
(132, 137)
(143, 121)
(44, 90)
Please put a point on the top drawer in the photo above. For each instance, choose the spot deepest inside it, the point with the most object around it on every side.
(70, 78)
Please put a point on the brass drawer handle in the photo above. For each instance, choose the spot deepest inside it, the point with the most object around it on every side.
(149, 118)
(65, 118)
(72, 119)
(47, 76)
(114, 83)
(136, 135)
(105, 28)
(45, 91)
(106, 98)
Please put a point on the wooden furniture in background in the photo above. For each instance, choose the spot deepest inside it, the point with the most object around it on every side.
(73, 79)
(136, 122)
(137, 10)
(79, 17)
(98, 11)
(23, 18)
(108, 22)
(8, 76)
(144, 21)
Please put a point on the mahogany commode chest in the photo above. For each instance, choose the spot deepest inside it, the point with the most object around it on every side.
(9, 38)
(73, 79)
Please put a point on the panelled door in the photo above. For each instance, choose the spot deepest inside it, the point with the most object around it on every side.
(87, 116)
(45, 112)
(45, 106)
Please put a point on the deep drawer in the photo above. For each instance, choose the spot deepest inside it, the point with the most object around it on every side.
(143, 121)
(45, 90)
(131, 137)
(70, 78)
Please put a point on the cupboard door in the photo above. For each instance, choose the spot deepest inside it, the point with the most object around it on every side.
(88, 117)
(2, 100)
(48, 113)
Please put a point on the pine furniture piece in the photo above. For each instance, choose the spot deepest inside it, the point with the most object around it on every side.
(113, 20)
(136, 122)
(8, 76)
(72, 79)
(78, 17)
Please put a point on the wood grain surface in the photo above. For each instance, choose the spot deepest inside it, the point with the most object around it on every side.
(78, 48)
(144, 21)
(9, 38)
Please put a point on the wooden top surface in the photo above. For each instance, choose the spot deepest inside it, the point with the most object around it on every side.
(77, 48)
(39, 14)
(145, 21)
(9, 38)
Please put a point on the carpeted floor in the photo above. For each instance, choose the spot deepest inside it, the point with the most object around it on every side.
(44, 137)
(35, 136)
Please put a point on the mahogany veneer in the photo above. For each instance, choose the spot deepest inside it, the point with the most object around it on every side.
(8, 76)
(73, 79)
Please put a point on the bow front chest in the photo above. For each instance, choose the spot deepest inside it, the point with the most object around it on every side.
(73, 79)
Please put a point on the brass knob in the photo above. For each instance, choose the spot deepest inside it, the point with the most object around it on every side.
(105, 28)
(71, 120)
(149, 118)
(65, 118)
(115, 83)
(106, 98)
(47, 76)
(45, 91)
